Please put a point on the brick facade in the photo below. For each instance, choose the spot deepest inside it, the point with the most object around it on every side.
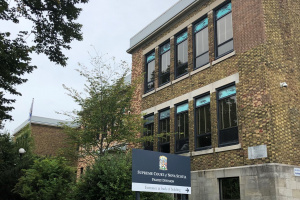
(266, 36)
(48, 140)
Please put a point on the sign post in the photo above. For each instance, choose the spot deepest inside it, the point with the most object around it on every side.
(160, 172)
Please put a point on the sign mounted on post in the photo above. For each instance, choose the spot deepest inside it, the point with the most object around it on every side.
(160, 172)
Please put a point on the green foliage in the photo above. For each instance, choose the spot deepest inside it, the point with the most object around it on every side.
(47, 179)
(24, 140)
(54, 28)
(11, 164)
(110, 179)
(104, 117)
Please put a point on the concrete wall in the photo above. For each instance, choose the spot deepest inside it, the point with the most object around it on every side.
(259, 182)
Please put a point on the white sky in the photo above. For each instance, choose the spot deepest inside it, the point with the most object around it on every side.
(108, 25)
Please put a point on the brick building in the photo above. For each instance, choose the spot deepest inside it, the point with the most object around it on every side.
(223, 76)
(48, 135)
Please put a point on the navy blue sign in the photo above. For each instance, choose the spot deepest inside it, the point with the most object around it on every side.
(160, 172)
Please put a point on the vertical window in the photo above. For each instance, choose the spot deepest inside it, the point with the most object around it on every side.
(229, 188)
(181, 54)
(164, 129)
(150, 66)
(182, 128)
(224, 33)
(201, 56)
(228, 130)
(203, 124)
(164, 72)
(81, 171)
(149, 127)
(181, 197)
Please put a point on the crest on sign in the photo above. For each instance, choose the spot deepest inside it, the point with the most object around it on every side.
(163, 163)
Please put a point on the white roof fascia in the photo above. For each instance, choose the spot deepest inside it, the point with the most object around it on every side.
(159, 22)
(43, 121)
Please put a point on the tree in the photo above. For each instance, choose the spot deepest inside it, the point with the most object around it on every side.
(10, 163)
(54, 28)
(110, 178)
(106, 120)
(47, 179)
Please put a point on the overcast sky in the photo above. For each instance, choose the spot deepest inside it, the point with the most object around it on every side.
(108, 26)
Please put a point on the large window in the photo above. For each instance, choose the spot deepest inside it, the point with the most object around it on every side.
(229, 188)
(224, 33)
(164, 71)
(228, 123)
(201, 56)
(164, 130)
(182, 128)
(148, 131)
(181, 54)
(202, 123)
(150, 66)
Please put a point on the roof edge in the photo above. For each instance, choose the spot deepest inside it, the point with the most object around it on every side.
(159, 23)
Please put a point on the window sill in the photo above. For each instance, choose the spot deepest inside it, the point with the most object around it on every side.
(180, 78)
(163, 86)
(149, 93)
(228, 148)
(223, 58)
(202, 152)
(185, 154)
(200, 69)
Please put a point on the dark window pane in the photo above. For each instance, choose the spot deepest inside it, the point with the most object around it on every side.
(182, 69)
(203, 119)
(202, 60)
(203, 140)
(203, 126)
(148, 145)
(225, 48)
(227, 112)
(164, 127)
(229, 136)
(165, 148)
(181, 197)
(230, 189)
(165, 78)
(182, 137)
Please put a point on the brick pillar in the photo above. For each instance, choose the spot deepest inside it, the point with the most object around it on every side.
(191, 126)
(211, 36)
(190, 49)
(156, 68)
(172, 58)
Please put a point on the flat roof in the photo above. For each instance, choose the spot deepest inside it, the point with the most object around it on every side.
(160, 21)
(42, 121)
